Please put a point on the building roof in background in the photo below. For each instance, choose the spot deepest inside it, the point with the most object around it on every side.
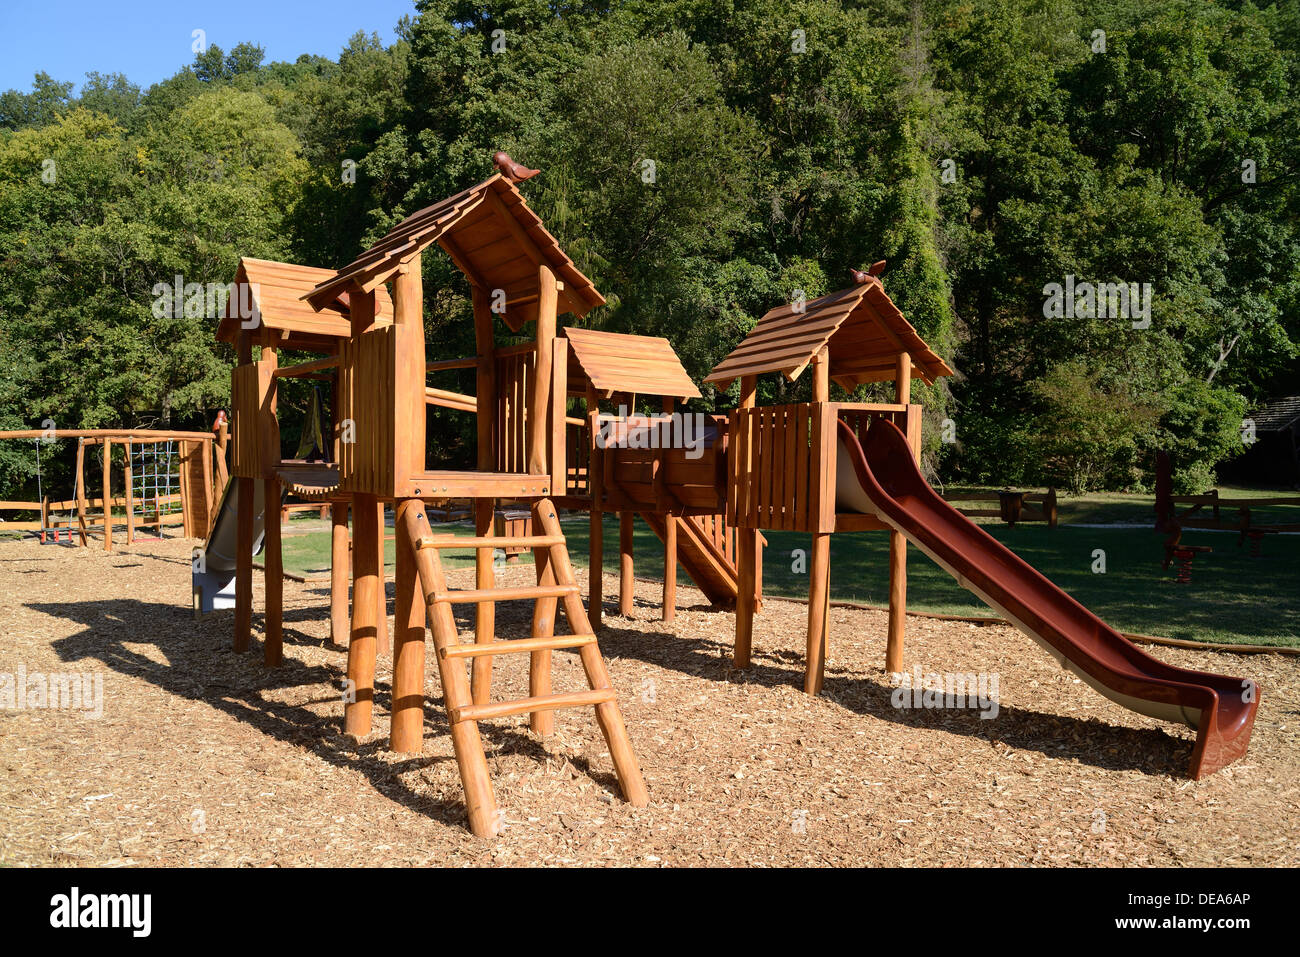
(1277, 415)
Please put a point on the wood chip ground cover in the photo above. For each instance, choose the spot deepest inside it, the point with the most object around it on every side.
(202, 756)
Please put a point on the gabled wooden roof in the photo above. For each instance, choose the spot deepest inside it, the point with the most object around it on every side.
(1277, 415)
(862, 327)
(276, 289)
(494, 239)
(615, 362)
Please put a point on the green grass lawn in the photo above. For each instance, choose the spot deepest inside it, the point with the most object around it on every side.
(1233, 597)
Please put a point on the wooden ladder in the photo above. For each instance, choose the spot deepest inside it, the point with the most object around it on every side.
(467, 705)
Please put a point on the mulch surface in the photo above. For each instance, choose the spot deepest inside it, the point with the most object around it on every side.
(202, 756)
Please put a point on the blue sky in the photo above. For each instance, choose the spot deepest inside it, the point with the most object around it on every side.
(149, 40)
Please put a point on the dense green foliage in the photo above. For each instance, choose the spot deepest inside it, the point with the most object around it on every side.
(985, 149)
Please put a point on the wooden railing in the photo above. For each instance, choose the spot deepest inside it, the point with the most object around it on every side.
(782, 460)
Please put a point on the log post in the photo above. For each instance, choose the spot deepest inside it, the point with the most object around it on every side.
(626, 580)
(339, 562)
(539, 662)
(108, 501)
(381, 592)
(484, 508)
(596, 528)
(273, 579)
(819, 569)
(406, 733)
(365, 609)
(898, 544)
(130, 496)
(243, 561)
(746, 550)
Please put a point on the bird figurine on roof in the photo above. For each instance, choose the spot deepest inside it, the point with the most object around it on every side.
(515, 172)
(874, 270)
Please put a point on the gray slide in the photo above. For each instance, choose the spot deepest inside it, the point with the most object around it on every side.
(213, 565)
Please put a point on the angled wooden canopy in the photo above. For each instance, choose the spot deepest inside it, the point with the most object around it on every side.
(494, 239)
(614, 362)
(863, 330)
(275, 290)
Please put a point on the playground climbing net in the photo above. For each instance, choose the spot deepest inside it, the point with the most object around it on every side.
(155, 481)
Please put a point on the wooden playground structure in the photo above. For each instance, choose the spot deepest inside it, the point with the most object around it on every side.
(783, 467)
(375, 353)
(707, 485)
(153, 493)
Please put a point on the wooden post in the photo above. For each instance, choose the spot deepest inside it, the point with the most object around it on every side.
(596, 528)
(381, 592)
(626, 580)
(484, 508)
(365, 624)
(746, 551)
(273, 579)
(339, 561)
(539, 662)
(244, 562)
(130, 497)
(670, 566)
(406, 733)
(898, 544)
(81, 493)
(819, 568)
(539, 406)
(108, 502)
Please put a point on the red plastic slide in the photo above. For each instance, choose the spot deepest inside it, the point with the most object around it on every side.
(880, 476)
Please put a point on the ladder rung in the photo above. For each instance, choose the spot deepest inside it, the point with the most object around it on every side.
(548, 702)
(518, 646)
(489, 541)
(475, 595)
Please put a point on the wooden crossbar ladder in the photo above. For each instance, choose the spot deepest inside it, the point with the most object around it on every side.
(422, 583)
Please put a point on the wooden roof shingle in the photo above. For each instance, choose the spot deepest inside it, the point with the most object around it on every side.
(862, 328)
(275, 290)
(616, 362)
(494, 238)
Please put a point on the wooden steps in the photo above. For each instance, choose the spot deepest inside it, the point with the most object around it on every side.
(711, 570)
(420, 575)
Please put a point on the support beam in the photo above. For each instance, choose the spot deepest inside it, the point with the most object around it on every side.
(244, 564)
(596, 528)
(339, 562)
(382, 645)
(484, 508)
(898, 544)
(273, 578)
(539, 662)
(485, 614)
(819, 570)
(108, 499)
(130, 496)
(406, 732)
(819, 574)
(365, 605)
(670, 566)
(540, 401)
(746, 554)
(626, 579)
